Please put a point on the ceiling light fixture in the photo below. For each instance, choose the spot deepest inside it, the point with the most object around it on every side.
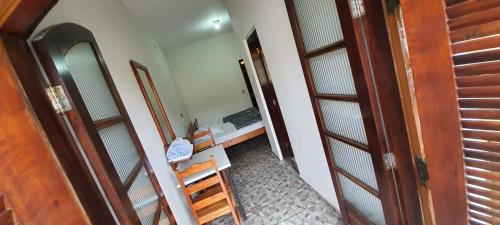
(217, 24)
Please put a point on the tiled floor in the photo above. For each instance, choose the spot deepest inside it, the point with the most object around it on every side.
(271, 191)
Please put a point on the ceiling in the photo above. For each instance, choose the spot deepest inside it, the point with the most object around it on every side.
(179, 22)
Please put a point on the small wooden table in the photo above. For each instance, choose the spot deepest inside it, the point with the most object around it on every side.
(223, 164)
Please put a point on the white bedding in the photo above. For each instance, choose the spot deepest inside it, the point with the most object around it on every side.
(227, 131)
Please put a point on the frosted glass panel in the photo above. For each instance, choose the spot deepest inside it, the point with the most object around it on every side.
(163, 218)
(144, 198)
(332, 73)
(89, 80)
(155, 105)
(366, 203)
(344, 118)
(354, 161)
(319, 23)
(121, 149)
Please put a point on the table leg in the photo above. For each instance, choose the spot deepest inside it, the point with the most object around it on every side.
(227, 173)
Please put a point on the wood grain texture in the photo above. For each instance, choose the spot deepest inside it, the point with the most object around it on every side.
(26, 15)
(437, 107)
(40, 192)
(244, 137)
(6, 9)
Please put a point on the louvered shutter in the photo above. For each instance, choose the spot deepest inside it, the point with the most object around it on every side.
(475, 40)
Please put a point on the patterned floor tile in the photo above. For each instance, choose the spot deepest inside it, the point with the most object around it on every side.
(271, 192)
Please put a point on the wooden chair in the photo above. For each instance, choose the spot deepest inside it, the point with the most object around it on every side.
(200, 146)
(214, 200)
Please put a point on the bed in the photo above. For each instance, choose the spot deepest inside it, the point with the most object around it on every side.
(236, 128)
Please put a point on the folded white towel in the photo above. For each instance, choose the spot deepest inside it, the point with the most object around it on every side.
(179, 150)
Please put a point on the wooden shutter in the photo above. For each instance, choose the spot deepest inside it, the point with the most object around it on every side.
(474, 30)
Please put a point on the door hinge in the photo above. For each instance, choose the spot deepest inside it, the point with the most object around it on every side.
(58, 98)
(390, 161)
(392, 5)
(357, 8)
(423, 173)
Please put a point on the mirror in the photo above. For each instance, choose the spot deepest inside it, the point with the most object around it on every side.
(154, 103)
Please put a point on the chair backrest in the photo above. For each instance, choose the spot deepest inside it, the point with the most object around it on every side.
(205, 184)
(200, 146)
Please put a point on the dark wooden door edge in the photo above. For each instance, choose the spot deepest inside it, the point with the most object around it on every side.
(81, 179)
(251, 93)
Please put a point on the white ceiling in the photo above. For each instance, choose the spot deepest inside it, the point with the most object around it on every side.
(179, 22)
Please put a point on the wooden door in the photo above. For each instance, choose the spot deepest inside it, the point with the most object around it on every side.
(244, 72)
(270, 98)
(474, 31)
(94, 113)
(349, 73)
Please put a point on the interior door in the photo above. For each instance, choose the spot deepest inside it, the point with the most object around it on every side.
(270, 97)
(332, 46)
(96, 116)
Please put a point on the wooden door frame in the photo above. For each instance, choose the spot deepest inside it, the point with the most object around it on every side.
(244, 71)
(15, 30)
(288, 152)
(384, 85)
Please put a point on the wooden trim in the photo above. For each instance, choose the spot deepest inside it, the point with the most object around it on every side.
(133, 175)
(357, 181)
(343, 98)
(26, 16)
(244, 137)
(356, 217)
(348, 141)
(135, 67)
(108, 122)
(329, 48)
(7, 8)
(437, 110)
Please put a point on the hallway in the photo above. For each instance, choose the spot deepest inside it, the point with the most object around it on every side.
(271, 191)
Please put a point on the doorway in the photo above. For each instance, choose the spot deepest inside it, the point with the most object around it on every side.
(270, 98)
(244, 72)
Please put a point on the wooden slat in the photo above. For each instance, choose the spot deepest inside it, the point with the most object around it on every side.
(491, 166)
(196, 168)
(481, 124)
(495, 195)
(347, 141)
(487, 146)
(208, 201)
(483, 155)
(476, 44)
(489, 175)
(486, 202)
(135, 172)
(202, 185)
(478, 68)
(329, 48)
(482, 135)
(355, 217)
(479, 103)
(358, 182)
(470, 6)
(478, 80)
(475, 18)
(480, 114)
(100, 124)
(157, 217)
(213, 211)
(477, 56)
(484, 209)
(483, 183)
(478, 31)
(344, 98)
(479, 92)
(484, 218)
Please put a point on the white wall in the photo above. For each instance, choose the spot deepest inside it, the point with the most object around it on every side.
(270, 19)
(120, 39)
(209, 77)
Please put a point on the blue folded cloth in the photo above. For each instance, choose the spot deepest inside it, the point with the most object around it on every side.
(179, 150)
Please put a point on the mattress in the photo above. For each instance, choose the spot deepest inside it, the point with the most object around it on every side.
(229, 132)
